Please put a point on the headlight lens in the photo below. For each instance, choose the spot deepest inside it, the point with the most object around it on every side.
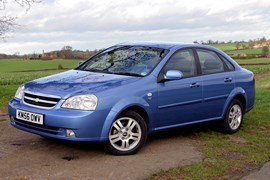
(83, 102)
(19, 92)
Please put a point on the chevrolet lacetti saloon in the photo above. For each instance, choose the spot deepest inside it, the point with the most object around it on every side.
(130, 90)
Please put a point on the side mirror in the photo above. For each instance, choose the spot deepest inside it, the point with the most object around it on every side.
(173, 75)
(80, 63)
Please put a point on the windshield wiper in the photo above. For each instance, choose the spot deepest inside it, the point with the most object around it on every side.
(128, 74)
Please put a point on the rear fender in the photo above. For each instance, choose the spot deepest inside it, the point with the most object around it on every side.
(234, 92)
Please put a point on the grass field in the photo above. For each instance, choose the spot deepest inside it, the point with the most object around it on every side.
(230, 48)
(10, 79)
(25, 65)
(225, 47)
(257, 51)
(254, 61)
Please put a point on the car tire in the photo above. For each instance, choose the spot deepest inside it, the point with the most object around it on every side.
(234, 117)
(127, 135)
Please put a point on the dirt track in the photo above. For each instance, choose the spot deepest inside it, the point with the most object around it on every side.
(23, 155)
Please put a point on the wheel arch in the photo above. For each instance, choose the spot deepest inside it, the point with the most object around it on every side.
(138, 109)
(138, 105)
(239, 94)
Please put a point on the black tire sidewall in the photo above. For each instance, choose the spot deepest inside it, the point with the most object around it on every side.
(142, 124)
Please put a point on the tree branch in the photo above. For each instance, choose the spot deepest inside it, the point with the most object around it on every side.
(7, 23)
(26, 3)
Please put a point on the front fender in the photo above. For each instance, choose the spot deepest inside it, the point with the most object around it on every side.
(119, 107)
(234, 92)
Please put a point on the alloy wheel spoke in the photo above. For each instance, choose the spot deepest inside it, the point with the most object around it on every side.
(132, 126)
(116, 127)
(134, 138)
(114, 136)
(120, 124)
(115, 140)
(234, 109)
(125, 144)
(231, 115)
(129, 123)
(135, 134)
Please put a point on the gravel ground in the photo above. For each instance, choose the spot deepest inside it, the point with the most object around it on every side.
(24, 155)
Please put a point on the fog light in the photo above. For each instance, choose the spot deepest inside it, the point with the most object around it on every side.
(70, 133)
(11, 119)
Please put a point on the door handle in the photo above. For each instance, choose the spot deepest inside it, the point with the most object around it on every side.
(194, 85)
(228, 79)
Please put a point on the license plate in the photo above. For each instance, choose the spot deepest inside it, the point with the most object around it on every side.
(30, 117)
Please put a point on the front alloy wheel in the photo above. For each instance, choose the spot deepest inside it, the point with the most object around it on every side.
(127, 135)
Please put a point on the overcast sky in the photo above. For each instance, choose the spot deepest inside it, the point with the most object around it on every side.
(95, 24)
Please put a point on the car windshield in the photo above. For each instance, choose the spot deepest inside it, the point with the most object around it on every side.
(125, 60)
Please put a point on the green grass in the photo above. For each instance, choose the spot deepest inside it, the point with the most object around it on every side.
(253, 61)
(230, 48)
(22, 77)
(6, 94)
(245, 51)
(24, 65)
(225, 47)
(10, 80)
(258, 69)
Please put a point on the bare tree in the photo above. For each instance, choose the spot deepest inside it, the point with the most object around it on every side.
(7, 23)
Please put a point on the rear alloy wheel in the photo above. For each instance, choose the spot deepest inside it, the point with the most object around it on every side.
(127, 134)
(234, 117)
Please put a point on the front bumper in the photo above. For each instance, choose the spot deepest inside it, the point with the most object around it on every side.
(87, 125)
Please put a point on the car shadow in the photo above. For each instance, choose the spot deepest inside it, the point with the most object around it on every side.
(188, 131)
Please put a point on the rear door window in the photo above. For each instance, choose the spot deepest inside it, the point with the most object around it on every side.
(210, 62)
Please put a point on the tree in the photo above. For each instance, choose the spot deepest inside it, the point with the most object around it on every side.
(251, 44)
(244, 46)
(67, 48)
(7, 23)
(237, 45)
(67, 52)
(265, 51)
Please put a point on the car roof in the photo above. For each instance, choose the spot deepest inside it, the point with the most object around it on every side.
(160, 44)
(175, 46)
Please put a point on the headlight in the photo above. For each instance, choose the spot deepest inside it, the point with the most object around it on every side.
(19, 92)
(82, 102)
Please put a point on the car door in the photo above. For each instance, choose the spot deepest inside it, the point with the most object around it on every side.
(179, 101)
(217, 82)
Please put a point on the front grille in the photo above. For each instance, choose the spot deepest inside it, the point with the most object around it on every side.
(40, 100)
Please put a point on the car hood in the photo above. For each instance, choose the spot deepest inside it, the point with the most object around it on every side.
(75, 82)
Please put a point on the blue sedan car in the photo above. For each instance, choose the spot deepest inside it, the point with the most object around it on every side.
(129, 90)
